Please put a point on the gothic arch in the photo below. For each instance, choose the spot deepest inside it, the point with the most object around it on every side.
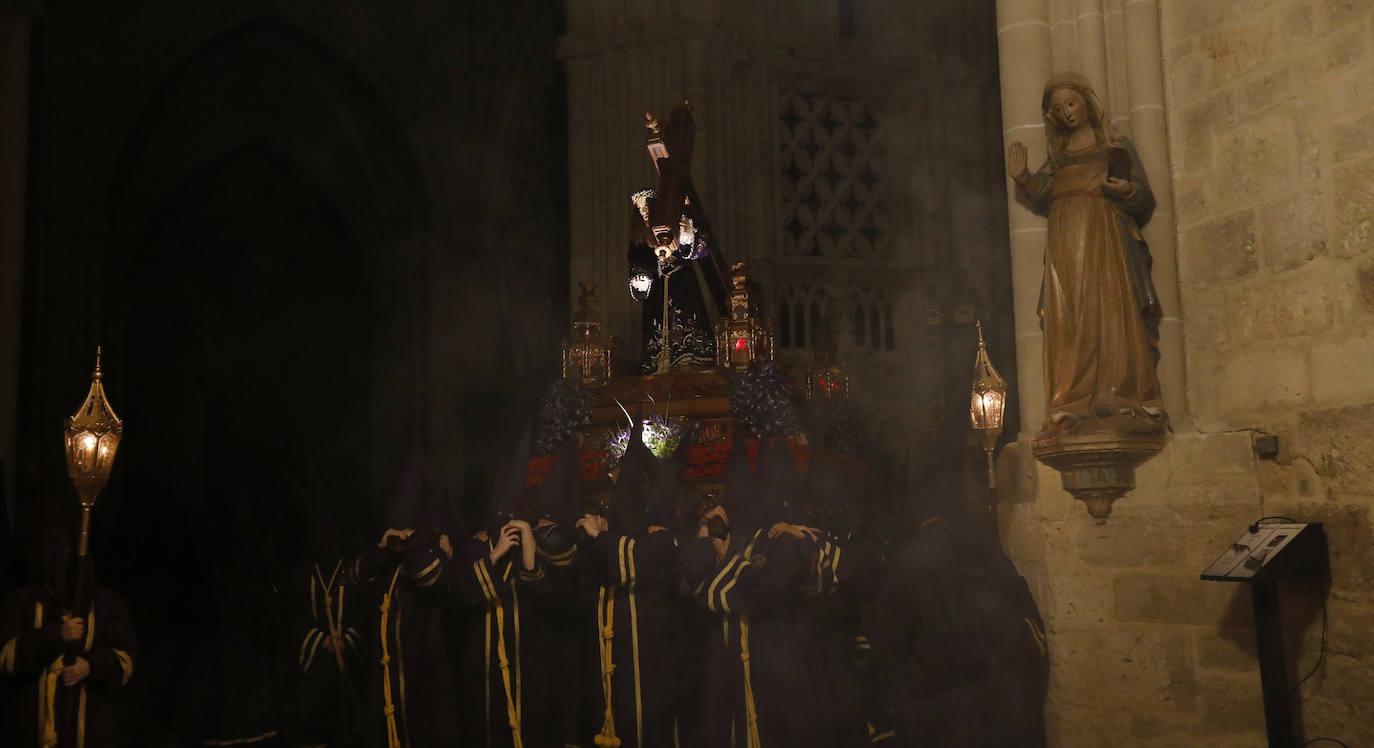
(269, 99)
(326, 115)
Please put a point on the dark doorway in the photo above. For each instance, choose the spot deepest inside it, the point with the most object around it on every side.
(248, 346)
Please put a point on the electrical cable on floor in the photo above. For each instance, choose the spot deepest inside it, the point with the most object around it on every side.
(1326, 740)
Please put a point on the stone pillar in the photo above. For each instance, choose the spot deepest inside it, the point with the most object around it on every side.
(1145, 86)
(1024, 49)
(15, 25)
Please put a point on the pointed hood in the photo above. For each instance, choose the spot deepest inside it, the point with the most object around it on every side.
(406, 509)
(248, 545)
(825, 496)
(662, 506)
(507, 502)
(334, 519)
(437, 510)
(560, 498)
(632, 484)
(59, 564)
(741, 499)
(779, 481)
(325, 526)
(941, 473)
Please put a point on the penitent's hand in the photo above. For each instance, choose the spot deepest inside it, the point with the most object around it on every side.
(508, 539)
(796, 531)
(1017, 162)
(73, 629)
(76, 672)
(590, 525)
(394, 533)
(781, 528)
(527, 545)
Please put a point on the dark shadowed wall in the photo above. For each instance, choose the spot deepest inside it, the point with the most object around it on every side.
(308, 236)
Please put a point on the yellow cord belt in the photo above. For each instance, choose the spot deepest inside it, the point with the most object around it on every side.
(605, 626)
(333, 618)
(634, 649)
(748, 682)
(512, 704)
(47, 688)
(47, 701)
(486, 679)
(605, 612)
(393, 738)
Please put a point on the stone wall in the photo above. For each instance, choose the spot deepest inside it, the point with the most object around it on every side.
(1270, 109)
(1272, 118)
(1143, 651)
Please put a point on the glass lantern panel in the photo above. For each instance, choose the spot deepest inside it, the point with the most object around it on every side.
(105, 453)
(978, 414)
(85, 452)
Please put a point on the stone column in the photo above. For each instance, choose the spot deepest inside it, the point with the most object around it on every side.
(1145, 84)
(1024, 48)
(15, 26)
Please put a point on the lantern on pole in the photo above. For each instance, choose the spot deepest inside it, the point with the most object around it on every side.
(92, 438)
(987, 403)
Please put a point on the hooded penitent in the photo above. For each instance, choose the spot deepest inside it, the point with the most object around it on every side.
(778, 482)
(942, 485)
(332, 526)
(825, 495)
(405, 509)
(560, 498)
(507, 502)
(422, 504)
(741, 500)
(662, 505)
(59, 565)
(632, 484)
(35, 708)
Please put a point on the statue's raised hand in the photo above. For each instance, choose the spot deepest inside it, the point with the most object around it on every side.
(1016, 162)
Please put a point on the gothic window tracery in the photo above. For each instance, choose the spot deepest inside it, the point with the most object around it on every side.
(833, 184)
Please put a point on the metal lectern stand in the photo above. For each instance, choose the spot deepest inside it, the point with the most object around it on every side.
(1262, 556)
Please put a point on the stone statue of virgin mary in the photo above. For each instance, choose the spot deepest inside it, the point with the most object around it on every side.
(1098, 306)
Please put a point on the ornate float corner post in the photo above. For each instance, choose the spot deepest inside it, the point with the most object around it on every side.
(587, 353)
(743, 337)
(1099, 309)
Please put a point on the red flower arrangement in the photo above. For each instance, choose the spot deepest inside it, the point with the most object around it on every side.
(589, 467)
(709, 460)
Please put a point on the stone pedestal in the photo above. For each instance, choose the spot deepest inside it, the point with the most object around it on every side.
(1098, 466)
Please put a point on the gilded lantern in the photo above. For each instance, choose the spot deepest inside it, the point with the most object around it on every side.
(988, 402)
(827, 379)
(744, 337)
(92, 438)
(587, 353)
